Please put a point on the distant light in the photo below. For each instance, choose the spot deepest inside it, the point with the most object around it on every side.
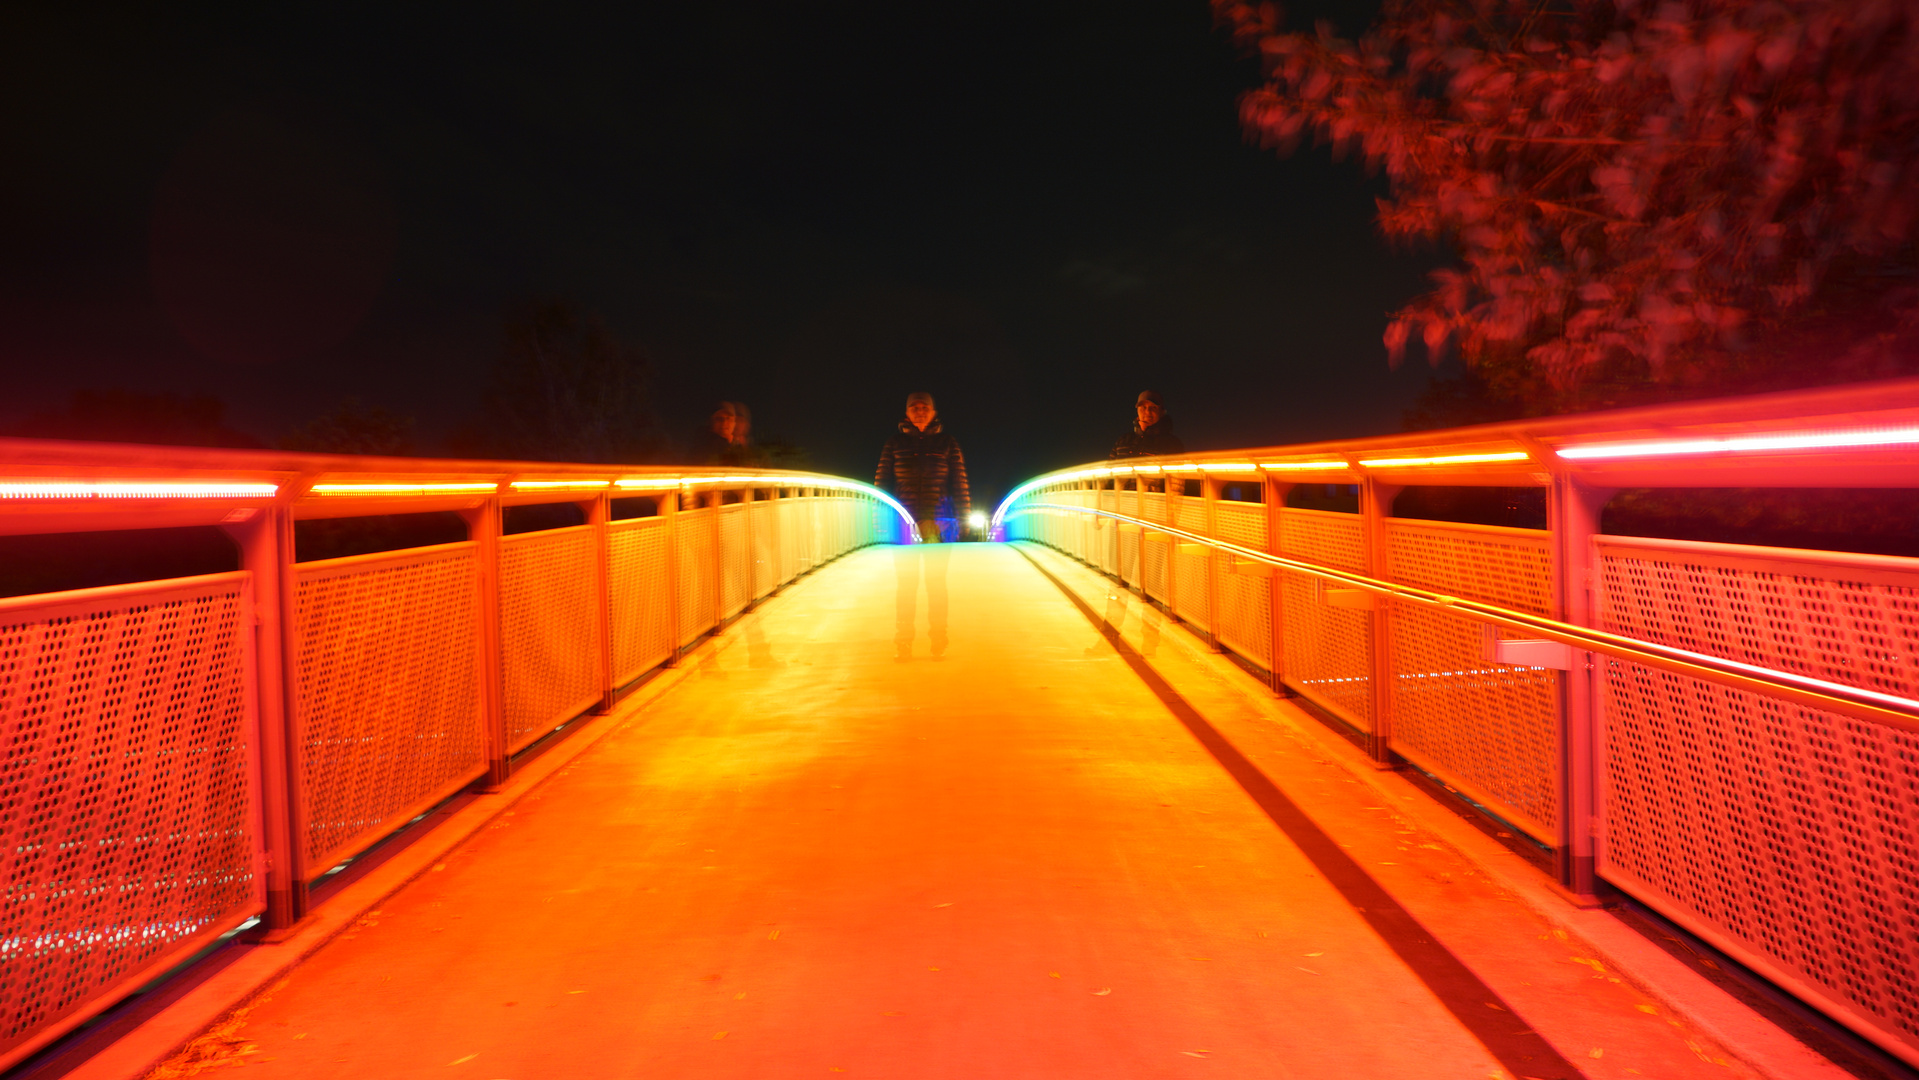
(121, 489)
(1445, 459)
(398, 489)
(1316, 466)
(1803, 440)
(976, 519)
(1187, 467)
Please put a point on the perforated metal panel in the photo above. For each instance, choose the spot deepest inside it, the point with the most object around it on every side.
(699, 587)
(126, 803)
(549, 630)
(636, 574)
(1788, 836)
(733, 565)
(765, 573)
(1245, 620)
(1490, 729)
(1190, 584)
(1328, 651)
(388, 659)
(1154, 579)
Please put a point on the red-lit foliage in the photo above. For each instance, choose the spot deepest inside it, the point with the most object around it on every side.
(1624, 183)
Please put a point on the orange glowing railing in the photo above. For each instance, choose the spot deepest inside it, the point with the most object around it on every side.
(325, 703)
(1661, 698)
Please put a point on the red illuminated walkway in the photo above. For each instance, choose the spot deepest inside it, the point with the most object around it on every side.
(811, 860)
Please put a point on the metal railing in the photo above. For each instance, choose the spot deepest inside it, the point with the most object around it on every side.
(185, 755)
(1726, 733)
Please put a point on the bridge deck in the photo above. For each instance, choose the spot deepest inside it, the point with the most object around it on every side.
(812, 859)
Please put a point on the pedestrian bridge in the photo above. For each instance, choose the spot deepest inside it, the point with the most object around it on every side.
(1192, 780)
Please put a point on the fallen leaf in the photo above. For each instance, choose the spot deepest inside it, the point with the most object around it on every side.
(1054, 974)
(437, 867)
(1102, 991)
(773, 936)
(1653, 1009)
(1389, 864)
(301, 1035)
(932, 969)
(949, 903)
(719, 1035)
(1308, 971)
(462, 1061)
(1495, 1005)
(576, 991)
(1196, 1053)
(1596, 1052)
(1315, 954)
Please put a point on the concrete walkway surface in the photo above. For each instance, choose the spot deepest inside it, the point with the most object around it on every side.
(1023, 859)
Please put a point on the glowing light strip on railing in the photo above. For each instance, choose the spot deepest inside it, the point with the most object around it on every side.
(1444, 459)
(1733, 444)
(135, 489)
(1314, 466)
(567, 485)
(401, 489)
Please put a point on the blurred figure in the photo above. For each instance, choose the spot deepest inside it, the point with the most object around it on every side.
(1152, 433)
(729, 436)
(923, 468)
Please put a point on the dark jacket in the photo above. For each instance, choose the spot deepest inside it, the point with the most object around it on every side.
(922, 469)
(717, 451)
(1154, 441)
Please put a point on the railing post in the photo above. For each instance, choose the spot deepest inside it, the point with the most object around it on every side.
(775, 550)
(483, 527)
(668, 509)
(599, 514)
(1573, 516)
(718, 498)
(1209, 490)
(747, 498)
(265, 540)
(1276, 592)
(1375, 506)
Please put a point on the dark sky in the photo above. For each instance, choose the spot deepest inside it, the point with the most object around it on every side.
(1032, 209)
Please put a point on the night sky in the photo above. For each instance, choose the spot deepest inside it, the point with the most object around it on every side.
(1032, 210)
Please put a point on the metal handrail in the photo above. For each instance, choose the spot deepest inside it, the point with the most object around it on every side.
(1817, 693)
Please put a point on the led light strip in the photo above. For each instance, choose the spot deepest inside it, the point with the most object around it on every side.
(554, 485)
(1315, 466)
(398, 489)
(121, 489)
(1800, 440)
(1444, 459)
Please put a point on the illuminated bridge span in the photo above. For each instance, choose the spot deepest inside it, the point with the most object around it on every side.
(1196, 781)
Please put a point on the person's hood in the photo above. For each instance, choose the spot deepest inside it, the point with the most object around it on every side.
(932, 428)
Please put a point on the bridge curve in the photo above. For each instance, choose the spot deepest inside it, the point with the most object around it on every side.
(1717, 732)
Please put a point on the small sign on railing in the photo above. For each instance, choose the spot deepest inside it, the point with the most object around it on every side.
(1526, 652)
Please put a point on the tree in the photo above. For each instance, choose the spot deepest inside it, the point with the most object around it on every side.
(354, 428)
(1636, 192)
(565, 389)
(135, 417)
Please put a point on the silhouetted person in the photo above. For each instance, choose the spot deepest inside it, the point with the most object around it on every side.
(729, 436)
(923, 468)
(1152, 433)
